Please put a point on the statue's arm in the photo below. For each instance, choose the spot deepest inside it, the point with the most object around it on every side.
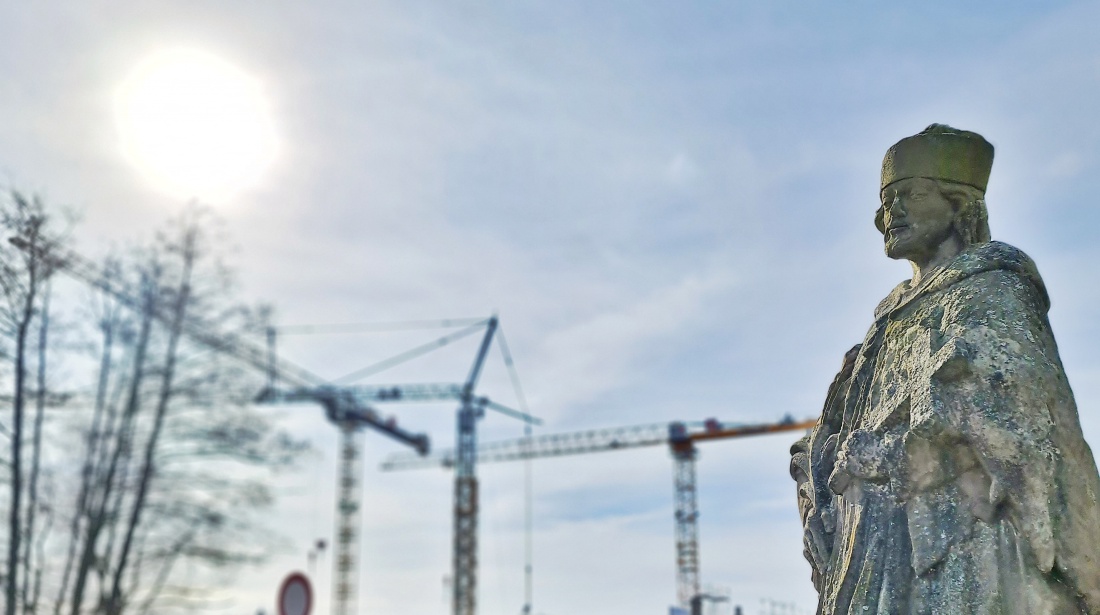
(812, 460)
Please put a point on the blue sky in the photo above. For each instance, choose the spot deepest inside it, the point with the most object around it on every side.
(669, 204)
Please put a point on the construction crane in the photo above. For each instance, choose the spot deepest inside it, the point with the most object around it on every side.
(680, 437)
(342, 406)
(471, 408)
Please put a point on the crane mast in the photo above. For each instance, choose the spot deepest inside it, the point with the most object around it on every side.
(471, 409)
(345, 583)
(681, 439)
(686, 513)
(464, 600)
(343, 408)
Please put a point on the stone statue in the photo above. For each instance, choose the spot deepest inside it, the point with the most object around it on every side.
(948, 472)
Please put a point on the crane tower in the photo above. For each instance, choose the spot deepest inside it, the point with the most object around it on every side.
(471, 408)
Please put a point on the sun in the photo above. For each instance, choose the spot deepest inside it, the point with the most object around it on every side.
(196, 125)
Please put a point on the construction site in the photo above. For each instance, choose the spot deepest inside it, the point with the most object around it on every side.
(354, 411)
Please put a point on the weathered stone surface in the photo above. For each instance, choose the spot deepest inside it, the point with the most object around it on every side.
(948, 472)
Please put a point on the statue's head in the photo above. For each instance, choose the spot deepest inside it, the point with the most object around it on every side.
(940, 174)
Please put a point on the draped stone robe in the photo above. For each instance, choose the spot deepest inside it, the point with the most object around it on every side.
(948, 472)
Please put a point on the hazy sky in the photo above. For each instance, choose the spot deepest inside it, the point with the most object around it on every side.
(669, 204)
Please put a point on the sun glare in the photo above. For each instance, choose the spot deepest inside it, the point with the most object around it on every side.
(198, 126)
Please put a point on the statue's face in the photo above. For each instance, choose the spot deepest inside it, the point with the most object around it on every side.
(917, 219)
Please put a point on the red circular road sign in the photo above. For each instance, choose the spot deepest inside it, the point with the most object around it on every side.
(295, 595)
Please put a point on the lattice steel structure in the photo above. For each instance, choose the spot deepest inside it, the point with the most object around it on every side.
(342, 407)
(681, 439)
(464, 600)
(345, 584)
(686, 513)
(471, 408)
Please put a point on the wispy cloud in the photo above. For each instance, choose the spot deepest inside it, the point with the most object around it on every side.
(670, 206)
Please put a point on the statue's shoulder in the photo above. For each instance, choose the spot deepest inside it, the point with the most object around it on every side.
(993, 267)
(1005, 266)
(993, 256)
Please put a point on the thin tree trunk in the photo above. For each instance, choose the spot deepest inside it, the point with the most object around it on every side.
(14, 530)
(40, 551)
(36, 451)
(14, 521)
(98, 516)
(114, 606)
(114, 516)
(94, 438)
(140, 552)
(107, 507)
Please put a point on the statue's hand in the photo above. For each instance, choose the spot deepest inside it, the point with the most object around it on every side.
(816, 520)
(816, 547)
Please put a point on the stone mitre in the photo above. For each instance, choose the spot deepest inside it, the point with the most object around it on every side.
(940, 152)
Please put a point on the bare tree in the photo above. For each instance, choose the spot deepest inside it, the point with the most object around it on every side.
(167, 419)
(109, 316)
(172, 461)
(22, 277)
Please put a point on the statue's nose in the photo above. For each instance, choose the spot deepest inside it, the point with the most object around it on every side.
(894, 207)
